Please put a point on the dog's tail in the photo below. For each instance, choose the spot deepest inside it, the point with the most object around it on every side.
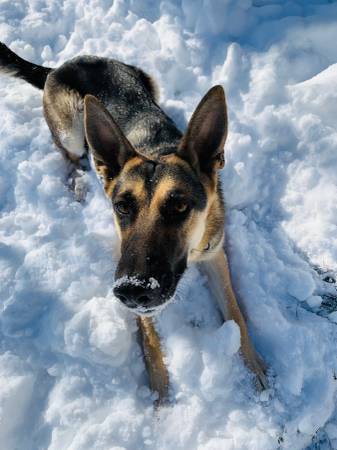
(12, 64)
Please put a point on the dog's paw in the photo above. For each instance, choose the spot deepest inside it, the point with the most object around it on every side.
(261, 380)
(258, 367)
(78, 183)
(81, 187)
(255, 364)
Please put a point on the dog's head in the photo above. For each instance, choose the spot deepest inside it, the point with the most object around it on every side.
(165, 209)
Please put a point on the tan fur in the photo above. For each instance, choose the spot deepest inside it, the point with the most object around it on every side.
(165, 185)
(196, 231)
(132, 163)
(108, 186)
(63, 110)
(174, 159)
(154, 359)
(210, 233)
(213, 236)
(218, 273)
(136, 187)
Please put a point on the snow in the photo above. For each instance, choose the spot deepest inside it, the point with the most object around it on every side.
(153, 283)
(71, 371)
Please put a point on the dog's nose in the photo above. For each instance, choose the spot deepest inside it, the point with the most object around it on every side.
(133, 296)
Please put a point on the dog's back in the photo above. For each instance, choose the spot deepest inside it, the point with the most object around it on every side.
(127, 92)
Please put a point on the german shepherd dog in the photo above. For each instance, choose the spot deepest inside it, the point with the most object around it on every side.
(164, 186)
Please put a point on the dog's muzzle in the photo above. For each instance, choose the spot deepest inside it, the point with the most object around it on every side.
(142, 296)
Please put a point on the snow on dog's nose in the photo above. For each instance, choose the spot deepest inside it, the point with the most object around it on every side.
(136, 293)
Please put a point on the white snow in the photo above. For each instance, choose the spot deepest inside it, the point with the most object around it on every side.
(71, 370)
(153, 283)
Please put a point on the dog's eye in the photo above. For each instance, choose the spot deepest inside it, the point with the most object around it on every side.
(175, 209)
(180, 206)
(122, 207)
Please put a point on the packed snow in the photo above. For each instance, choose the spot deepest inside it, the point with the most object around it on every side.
(71, 370)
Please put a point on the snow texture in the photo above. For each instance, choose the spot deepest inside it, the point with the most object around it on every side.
(71, 371)
(135, 281)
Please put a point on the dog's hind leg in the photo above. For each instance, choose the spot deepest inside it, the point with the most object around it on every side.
(218, 274)
(63, 111)
(154, 359)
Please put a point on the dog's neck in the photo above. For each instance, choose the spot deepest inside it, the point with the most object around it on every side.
(152, 133)
(213, 234)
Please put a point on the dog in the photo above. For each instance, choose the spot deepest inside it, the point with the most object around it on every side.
(164, 186)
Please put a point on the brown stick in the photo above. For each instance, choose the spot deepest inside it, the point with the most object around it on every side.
(154, 361)
(218, 274)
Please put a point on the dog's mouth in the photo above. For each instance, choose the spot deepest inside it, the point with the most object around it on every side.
(147, 311)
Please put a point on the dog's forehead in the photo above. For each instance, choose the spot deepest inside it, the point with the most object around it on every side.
(145, 177)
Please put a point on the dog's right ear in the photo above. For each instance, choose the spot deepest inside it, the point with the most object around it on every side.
(106, 140)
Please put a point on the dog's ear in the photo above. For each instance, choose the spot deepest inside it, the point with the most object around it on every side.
(203, 142)
(106, 140)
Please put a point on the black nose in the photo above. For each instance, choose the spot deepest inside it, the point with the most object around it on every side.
(132, 295)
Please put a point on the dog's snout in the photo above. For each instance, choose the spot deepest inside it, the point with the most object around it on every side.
(133, 296)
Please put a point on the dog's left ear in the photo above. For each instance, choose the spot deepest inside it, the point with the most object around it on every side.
(203, 143)
(106, 140)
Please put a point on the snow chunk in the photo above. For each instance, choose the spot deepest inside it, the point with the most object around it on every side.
(229, 336)
(16, 390)
(314, 301)
(99, 333)
(300, 285)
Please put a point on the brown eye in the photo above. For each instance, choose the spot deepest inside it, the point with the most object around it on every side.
(180, 206)
(176, 208)
(122, 208)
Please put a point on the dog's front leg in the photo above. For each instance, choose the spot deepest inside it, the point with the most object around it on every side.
(218, 274)
(154, 360)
